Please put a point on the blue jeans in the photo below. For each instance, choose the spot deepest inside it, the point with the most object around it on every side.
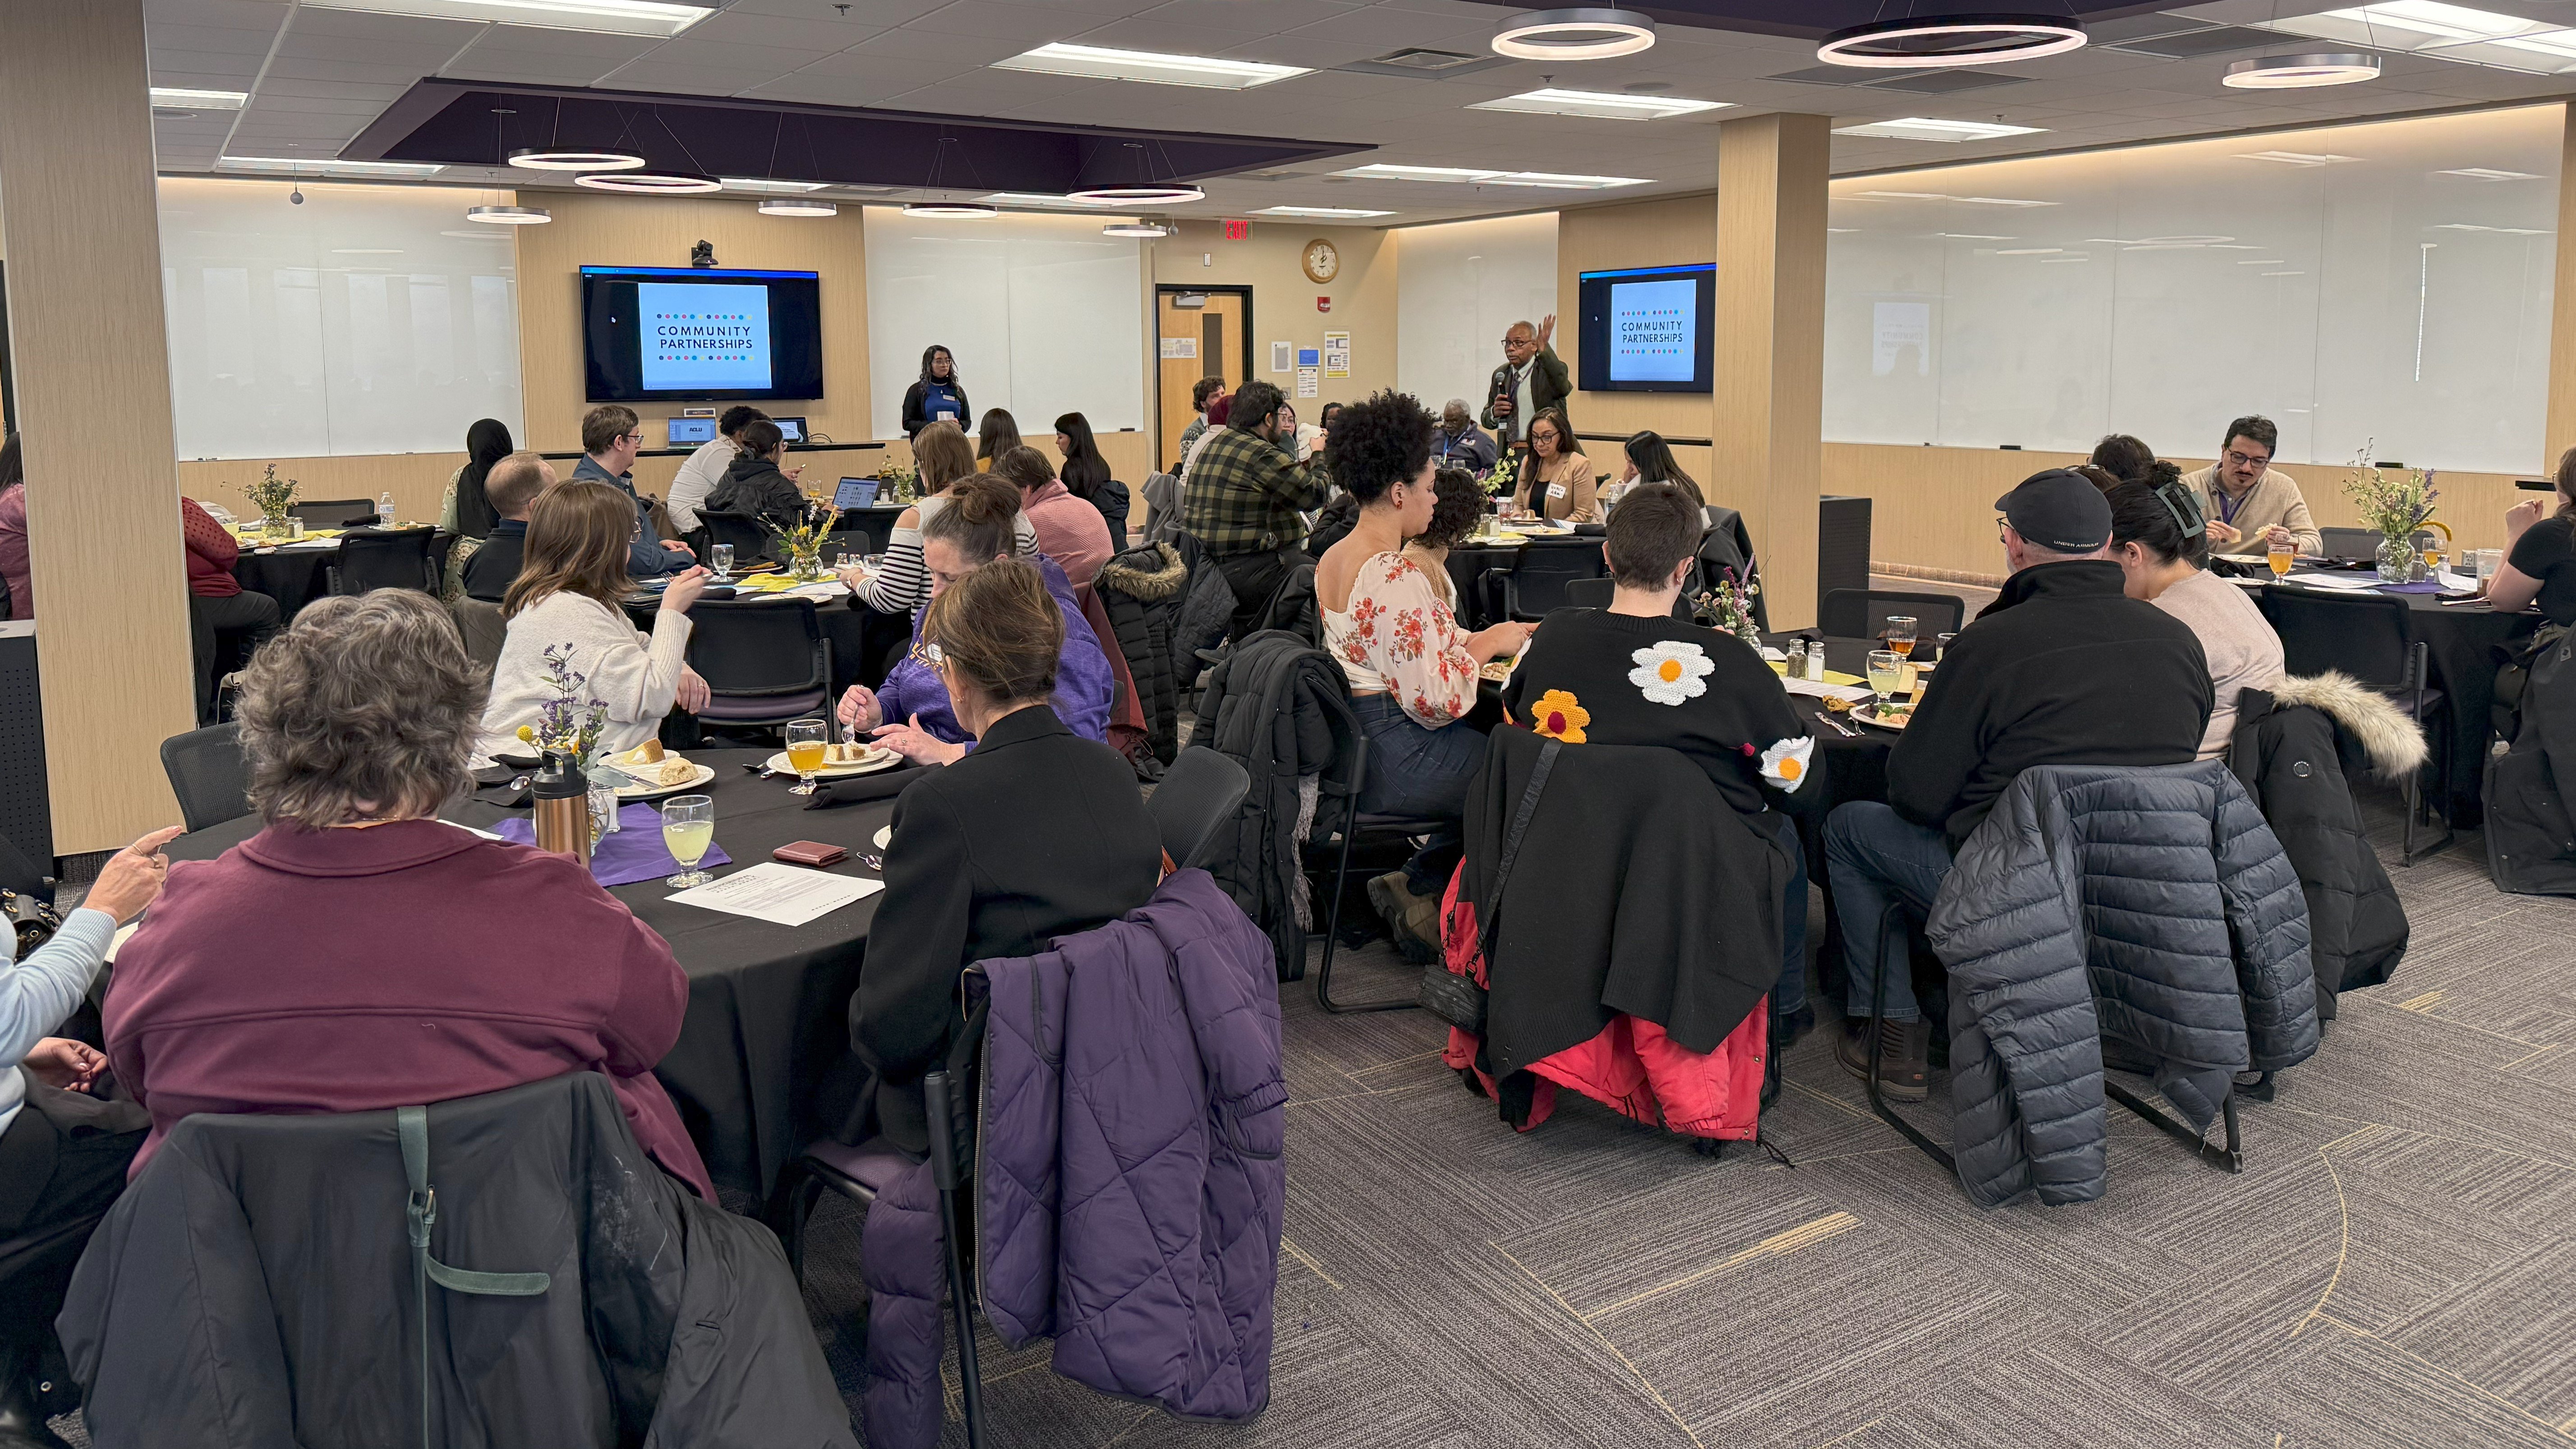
(1419, 772)
(1791, 991)
(1872, 856)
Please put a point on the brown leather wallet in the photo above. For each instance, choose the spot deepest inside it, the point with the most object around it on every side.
(810, 852)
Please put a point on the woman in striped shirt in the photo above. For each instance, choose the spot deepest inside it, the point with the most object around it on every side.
(942, 455)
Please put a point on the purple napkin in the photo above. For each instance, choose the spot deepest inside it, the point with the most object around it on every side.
(2427, 586)
(625, 856)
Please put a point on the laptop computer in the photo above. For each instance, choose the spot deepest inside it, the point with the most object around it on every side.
(855, 493)
(689, 432)
(792, 429)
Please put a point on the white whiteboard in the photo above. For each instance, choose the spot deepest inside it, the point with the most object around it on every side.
(1458, 285)
(2387, 283)
(1043, 315)
(369, 319)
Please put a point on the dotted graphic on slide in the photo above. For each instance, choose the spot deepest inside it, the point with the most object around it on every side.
(1653, 331)
(703, 336)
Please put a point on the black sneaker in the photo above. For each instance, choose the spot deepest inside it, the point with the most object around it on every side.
(1785, 1030)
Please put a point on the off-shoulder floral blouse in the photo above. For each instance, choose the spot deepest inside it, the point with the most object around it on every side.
(1398, 637)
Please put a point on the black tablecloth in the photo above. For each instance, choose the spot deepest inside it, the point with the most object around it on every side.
(294, 577)
(1467, 565)
(762, 1065)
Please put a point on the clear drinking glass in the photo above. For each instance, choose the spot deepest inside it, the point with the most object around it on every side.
(688, 828)
(1900, 635)
(720, 558)
(1944, 640)
(2490, 560)
(2280, 556)
(1886, 672)
(805, 749)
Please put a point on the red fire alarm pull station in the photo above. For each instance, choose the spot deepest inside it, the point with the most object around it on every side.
(1237, 229)
(1323, 304)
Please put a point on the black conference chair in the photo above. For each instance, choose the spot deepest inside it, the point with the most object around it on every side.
(334, 513)
(376, 558)
(2371, 638)
(765, 661)
(1597, 594)
(1356, 824)
(860, 1173)
(1863, 613)
(751, 542)
(2343, 543)
(208, 774)
(1200, 791)
(480, 624)
(1536, 582)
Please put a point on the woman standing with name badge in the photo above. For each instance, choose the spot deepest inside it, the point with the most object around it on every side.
(937, 397)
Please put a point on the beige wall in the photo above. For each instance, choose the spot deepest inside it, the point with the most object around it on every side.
(1283, 300)
(1638, 234)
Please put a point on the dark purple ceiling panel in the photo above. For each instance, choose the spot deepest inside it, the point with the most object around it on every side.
(454, 123)
(1815, 19)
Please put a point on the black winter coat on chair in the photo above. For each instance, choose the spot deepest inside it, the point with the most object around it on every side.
(2291, 750)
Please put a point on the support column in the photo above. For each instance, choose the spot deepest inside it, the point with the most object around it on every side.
(1769, 363)
(93, 402)
(2560, 429)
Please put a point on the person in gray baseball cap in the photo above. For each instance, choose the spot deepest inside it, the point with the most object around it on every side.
(2062, 669)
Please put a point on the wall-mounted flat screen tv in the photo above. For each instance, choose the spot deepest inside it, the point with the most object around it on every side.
(700, 334)
(1646, 329)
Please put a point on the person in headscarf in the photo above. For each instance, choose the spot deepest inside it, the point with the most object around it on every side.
(467, 512)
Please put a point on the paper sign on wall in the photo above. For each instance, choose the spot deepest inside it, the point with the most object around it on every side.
(1180, 348)
(1308, 385)
(1310, 357)
(1283, 356)
(1337, 354)
(1900, 331)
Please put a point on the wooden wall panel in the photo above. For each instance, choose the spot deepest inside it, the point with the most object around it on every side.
(657, 231)
(2560, 431)
(86, 324)
(1671, 230)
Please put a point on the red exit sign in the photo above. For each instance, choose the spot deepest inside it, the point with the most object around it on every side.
(1237, 229)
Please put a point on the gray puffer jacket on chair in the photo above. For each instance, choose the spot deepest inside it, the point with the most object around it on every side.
(2149, 905)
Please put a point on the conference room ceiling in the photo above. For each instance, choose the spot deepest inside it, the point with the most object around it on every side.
(318, 78)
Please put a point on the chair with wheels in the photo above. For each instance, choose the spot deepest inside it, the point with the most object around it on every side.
(1202, 789)
(208, 774)
(2371, 638)
(1537, 580)
(765, 661)
(751, 542)
(334, 513)
(1863, 613)
(375, 558)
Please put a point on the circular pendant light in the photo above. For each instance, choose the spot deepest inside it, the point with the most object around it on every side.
(648, 183)
(2296, 72)
(1136, 228)
(798, 206)
(1168, 194)
(1583, 33)
(1928, 41)
(509, 215)
(951, 210)
(566, 158)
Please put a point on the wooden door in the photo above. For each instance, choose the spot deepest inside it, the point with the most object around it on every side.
(1195, 342)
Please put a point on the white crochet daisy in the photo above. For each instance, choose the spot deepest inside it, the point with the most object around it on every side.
(1671, 671)
(1785, 764)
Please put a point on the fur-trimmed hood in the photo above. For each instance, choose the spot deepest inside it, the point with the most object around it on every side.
(2394, 743)
(1161, 582)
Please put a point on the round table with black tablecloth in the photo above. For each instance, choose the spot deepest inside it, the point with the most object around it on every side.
(1467, 565)
(762, 1065)
(293, 574)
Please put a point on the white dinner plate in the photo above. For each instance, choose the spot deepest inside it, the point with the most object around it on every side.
(879, 759)
(698, 775)
(885, 836)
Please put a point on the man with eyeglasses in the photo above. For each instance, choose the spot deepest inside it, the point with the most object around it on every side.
(2247, 500)
(1460, 443)
(611, 436)
(1531, 380)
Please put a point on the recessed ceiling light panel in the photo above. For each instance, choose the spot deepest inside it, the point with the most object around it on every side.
(2489, 173)
(760, 187)
(1606, 106)
(798, 206)
(509, 215)
(1146, 229)
(1582, 33)
(191, 100)
(605, 17)
(1327, 213)
(1101, 63)
(2299, 72)
(327, 166)
(1950, 40)
(1926, 128)
(569, 158)
(648, 183)
(2296, 158)
(1382, 171)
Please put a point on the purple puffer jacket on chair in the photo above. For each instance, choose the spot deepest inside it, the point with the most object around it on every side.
(1129, 1178)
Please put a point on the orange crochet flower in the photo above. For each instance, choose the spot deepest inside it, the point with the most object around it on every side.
(1559, 717)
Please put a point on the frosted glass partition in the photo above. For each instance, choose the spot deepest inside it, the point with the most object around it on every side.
(1458, 284)
(1043, 314)
(369, 319)
(2387, 281)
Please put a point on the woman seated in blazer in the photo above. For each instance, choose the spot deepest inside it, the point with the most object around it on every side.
(1556, 479)
(1036, 834)
(753, 482)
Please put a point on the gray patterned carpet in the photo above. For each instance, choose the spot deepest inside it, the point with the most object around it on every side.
(2396, 1266)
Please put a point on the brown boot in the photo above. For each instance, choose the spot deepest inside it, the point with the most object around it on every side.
(1902, 1065)
(1413, 920)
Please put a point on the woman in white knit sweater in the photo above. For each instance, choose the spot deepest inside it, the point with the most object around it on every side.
(565, 601)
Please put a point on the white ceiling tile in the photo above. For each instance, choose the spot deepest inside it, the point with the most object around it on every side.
(211, 39)
(794, 32)
(909, 43)
(1021, 26)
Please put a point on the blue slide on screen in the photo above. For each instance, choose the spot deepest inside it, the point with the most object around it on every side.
(703, 337)
(1653, 330)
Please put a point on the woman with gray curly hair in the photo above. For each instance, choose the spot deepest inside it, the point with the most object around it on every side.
(361, 953)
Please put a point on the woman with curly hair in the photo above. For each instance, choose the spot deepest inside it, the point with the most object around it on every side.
(1412, 672)
(360, 953)
(1457, 503)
